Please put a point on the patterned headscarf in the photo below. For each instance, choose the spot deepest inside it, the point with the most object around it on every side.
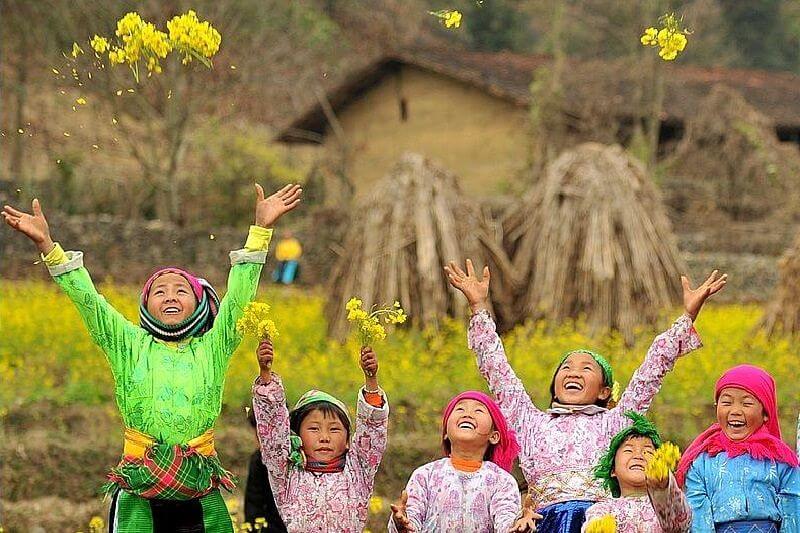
(201, 319)
(641, 427)
(296, 456)
(507, 449)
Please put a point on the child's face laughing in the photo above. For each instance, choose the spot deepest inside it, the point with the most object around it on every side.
(629, 463)
(470, 426)
(579, 381)
(171, 299)
(739, 413)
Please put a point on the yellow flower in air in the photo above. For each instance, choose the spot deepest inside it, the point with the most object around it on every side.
(649, 37)
(452, 19)
(76, 50)
(99, 44)
(80, 101)
(96, 524)
(604, 524)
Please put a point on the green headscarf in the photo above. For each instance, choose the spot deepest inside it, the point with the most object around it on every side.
(605, 366)
(641, 427)
(296, 456)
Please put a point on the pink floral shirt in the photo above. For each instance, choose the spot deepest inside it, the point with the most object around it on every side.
(443, 499)
(307, 501)
(560, 451)
(661, 511)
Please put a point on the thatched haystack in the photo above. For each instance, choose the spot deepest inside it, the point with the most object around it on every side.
(592, 239)
(414, 222)
(731, 166)
(783, 313)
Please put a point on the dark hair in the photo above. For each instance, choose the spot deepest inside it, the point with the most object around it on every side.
(251, 416)
(598, 402)
(297, 416)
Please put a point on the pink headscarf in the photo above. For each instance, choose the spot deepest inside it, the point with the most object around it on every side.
(505, 451)
(764, 444)
(193, 280)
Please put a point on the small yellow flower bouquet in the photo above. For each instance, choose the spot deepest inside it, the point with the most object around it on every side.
(670, 38)
(662, 462)
(449, 18)
(604, 524)
(138, 40)
(255, 322)
(369, 325)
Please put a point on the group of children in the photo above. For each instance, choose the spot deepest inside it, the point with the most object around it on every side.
(588, 459)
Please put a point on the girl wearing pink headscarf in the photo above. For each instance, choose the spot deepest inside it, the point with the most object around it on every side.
(739, 475)
(470, 488)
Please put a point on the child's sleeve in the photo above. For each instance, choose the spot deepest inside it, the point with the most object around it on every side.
(506, 504)
(369, 438)
(115, 335)
(697, 496)
(671, 507)
(680, 339)
(504, 384)
(418, 497)
(272, 426)
(598, 510)
(246, 265)
(789, 498)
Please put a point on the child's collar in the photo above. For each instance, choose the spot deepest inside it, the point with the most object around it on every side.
(564, 409)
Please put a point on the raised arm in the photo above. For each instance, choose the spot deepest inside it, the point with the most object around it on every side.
(109, 330)
(272, 422)
(680, 339)
(246, 265)
(671, 506)
(483, 339)
(372, 422)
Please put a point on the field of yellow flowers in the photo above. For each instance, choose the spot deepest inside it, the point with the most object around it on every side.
(46, 358)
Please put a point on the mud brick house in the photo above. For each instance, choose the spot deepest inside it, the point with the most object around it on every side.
(469, 110)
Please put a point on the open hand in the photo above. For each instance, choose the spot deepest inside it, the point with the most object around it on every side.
(476, 290)
(693, 299)
(265, 355)
(269, 210)
(528, 518)
(399, 515)
(369, 362)
(32, 226)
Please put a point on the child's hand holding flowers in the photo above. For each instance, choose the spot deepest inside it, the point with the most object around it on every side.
(660, 464)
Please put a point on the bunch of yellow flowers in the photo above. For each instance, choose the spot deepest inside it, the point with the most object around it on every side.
(664, 460)
(670, 38)
(604, 524)
(139, 40)
(369, 324)
(193, 38)
(449, 18)
(256, 322)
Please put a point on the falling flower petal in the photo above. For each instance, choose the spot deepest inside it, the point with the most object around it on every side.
(130, 90)
(66, 134)
(55, 71)
(211, 236)
(95, 147)
(20, 131)
(233, 67)
(113, 120)
(119, 93)
(58, 161)
(80, 101)
(76, 50)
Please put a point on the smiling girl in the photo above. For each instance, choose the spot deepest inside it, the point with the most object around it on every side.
(169, 373)
(322, 478)
(470, 488)
(739, 475)
(560, 446)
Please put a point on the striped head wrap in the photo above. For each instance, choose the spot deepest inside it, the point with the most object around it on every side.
(201, 319)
